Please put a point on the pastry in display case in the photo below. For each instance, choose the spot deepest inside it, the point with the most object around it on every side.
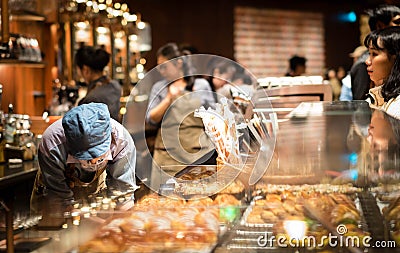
(163, 224)
(283, 212)
(391, 214)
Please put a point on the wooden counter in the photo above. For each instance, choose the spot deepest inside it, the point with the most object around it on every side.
(12, 178)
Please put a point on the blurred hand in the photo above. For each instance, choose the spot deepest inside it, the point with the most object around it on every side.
(174, 91)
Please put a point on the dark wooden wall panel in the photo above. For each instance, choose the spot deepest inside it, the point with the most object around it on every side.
(209, 24)
(264, 40)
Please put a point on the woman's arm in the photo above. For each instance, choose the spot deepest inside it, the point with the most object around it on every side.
(157, 113)
(157, 95)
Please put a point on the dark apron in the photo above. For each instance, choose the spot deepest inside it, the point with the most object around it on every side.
(80, 188)
(181, 139)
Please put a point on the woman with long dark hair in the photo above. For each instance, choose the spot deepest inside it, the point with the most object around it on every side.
(383, 66)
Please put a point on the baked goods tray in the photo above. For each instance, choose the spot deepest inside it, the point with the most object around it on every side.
(256, 234)
(203, 180)
(165, 241)
(379, 231)
(165, 224)
(158, 248)
(387, 203)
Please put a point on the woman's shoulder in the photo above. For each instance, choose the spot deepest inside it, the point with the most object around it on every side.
(116, 84)
(374, 96)
(392, 107)
(159, 85)
(201, 84)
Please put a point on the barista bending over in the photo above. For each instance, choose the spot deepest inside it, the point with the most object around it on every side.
(80, 150)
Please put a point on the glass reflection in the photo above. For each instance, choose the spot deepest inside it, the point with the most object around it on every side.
(383, 138)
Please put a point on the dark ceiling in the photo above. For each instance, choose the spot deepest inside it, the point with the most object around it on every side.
(208, 24)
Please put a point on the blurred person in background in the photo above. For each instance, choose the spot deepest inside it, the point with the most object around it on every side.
(171, 107)
(231, 81)
(381, 17)
(341, 73)
(91, 63)
(297, 66)
(331, 77)
(346, 93)
(242, 78)
(221, 74)
(244, 82)
(383, 66)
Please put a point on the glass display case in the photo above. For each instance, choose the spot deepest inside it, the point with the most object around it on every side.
(332, 185)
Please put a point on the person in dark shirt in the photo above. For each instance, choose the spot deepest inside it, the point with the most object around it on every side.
(101, 89)
(297, 66)
(379, 18)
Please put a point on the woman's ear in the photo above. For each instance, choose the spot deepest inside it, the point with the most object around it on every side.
(85, 70)
(87, 73)
(380, 25)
